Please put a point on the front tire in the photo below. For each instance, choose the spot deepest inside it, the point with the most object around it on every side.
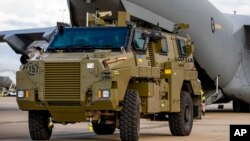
(181, 123)
(103, 129)
(130, 117)
(39, 125)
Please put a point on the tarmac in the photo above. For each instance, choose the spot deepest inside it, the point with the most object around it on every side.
(214, 126)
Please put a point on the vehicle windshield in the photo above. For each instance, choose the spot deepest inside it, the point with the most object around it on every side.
(90, 38)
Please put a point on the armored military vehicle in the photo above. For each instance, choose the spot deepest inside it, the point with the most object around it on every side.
(110, 77)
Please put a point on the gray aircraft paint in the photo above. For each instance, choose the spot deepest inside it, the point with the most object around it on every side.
(240, 84)
(219, 52)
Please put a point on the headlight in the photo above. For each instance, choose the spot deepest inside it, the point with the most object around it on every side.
(105, 93)
(20, 94)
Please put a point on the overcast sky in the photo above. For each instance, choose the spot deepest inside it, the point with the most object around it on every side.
(22, 14)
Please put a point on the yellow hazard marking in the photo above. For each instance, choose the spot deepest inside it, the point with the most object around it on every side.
(140, 60)
(168, 71)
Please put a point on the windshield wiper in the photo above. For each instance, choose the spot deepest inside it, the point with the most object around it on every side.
(72, 48)
(54, 49)
(85, 46)
(81, 48)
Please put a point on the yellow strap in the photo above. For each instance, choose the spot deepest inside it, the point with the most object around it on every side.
(90, 127)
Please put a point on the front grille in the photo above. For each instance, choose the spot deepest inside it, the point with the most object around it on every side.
(62, 81)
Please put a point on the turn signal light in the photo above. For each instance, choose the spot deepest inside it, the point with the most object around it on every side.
(99, 94)
(27, 94)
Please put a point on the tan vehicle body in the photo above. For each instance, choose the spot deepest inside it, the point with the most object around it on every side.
(68, 86)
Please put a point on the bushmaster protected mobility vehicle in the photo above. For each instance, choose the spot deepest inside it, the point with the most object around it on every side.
(110, 77)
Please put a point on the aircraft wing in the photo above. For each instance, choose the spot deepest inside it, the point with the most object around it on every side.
(145, 14)
(19, 40)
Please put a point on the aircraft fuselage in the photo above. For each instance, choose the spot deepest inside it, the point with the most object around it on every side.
(218, 50)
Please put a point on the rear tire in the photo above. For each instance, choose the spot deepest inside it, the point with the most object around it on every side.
(130, 117)
(103, 129)
(39, 125)
(181, 123)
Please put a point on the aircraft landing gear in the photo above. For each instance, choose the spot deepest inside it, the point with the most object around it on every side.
(239, 106)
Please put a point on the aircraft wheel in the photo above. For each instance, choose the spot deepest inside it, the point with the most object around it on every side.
(130, 117)
(239, 106)
(103, 129)
(40, 126)
(181, 123)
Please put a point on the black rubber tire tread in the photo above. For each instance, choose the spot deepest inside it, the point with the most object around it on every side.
(177, 124)
(38, 125)
(239, 106)
(130, 117)
(103, 129)
(236, 106)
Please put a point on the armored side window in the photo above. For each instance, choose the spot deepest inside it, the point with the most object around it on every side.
(181, 45)
(139, 40)
(164, 44)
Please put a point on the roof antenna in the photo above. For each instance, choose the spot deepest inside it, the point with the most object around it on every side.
(158, 27)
